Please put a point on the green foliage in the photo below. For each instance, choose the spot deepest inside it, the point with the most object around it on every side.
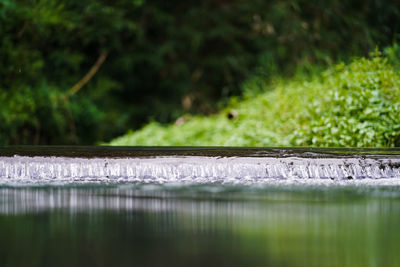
(165, 58)
(354, 105)
(46, 47)
(361, 108)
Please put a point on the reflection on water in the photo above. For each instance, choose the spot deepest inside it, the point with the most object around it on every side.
(127, 225)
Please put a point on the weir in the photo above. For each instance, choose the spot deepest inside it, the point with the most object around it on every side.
(195, 164)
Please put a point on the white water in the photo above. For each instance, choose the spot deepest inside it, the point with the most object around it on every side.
(194, 169)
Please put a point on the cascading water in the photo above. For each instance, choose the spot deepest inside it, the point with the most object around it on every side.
(72, 206)
(198, 165)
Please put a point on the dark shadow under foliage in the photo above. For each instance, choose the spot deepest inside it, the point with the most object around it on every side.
(160, 59)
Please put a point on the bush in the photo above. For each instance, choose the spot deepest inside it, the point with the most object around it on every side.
(354, 105)
(361, 108)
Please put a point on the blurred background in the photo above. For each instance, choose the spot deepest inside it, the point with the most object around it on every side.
(86, 72)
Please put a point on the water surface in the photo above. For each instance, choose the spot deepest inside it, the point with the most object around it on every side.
(199, 225)
(61, 207)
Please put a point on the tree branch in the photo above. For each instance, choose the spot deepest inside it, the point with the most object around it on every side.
(78, 86)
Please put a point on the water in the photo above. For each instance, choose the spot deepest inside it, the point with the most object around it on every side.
(72, 209)
(197, 165)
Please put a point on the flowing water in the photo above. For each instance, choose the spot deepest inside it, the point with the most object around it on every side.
(63, 206)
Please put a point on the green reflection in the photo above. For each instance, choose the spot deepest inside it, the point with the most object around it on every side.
(124, 226)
